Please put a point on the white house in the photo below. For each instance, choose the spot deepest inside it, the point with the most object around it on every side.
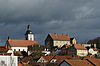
(93, 51)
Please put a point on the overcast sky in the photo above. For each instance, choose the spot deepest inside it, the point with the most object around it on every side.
(79, 18)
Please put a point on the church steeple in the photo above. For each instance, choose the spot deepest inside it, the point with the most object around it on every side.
(29, 35)
(28, 27)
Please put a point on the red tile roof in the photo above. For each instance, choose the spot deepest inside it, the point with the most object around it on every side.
(95, 49)
(4, 48)
(19, 64)
(18, 53)
(48, 58)
(67, 46)
(72, 57)
(26, 59)
(8, 54)
(96, 62)
(78, 63)
(88, 57)
(60, 37)
(60, 57)
(21, 43)
(79, 46)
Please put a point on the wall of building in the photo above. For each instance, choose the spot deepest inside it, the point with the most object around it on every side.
(72, 51)
(60, 43)
(91, 51)
(82, 52)
(21, 49)
(30, 37)
(49, 42)
(8, 61)
(74, 41)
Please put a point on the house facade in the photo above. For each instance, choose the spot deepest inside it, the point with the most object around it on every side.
(58, 40)
(77, 49)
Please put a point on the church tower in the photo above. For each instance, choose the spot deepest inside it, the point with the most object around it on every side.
(29, 35)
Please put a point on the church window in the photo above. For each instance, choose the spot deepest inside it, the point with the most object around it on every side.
(30, 38)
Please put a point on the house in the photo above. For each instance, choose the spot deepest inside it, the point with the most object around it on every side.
(58, 40)
(89, 45)
(75, 63)
(4, 50)
(93, 51)
(64, 49)
(45, 59)
(22, 45)
(77, 49)
(46, 52)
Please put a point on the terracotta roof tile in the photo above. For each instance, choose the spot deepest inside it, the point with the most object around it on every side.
(18, 53)
(79, 46)
(19, 64)
(78, 63)
(88, 57)
(95, 49)
(8, 54)
(67, 46)
(94, 61)
(4, 48)
(60, 37)
(60, 57)
(26, 59)
(72, 57)
(21, 43)
(48, 58)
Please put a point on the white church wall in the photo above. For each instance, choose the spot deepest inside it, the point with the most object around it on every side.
(30, 37)
(21, 49)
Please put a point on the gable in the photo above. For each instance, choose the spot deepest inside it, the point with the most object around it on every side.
(48, 38)
(42, 60)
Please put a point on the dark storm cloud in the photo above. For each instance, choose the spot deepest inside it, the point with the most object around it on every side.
(80, 18)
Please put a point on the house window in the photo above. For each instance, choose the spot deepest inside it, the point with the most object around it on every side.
(42, 60)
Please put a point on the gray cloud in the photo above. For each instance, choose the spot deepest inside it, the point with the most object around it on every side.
(80, 18)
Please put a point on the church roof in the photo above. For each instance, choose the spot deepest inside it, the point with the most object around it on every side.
(60, 37)
(28, 32)
(21, 43)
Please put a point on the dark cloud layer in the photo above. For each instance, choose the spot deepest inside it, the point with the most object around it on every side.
(79, 18)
